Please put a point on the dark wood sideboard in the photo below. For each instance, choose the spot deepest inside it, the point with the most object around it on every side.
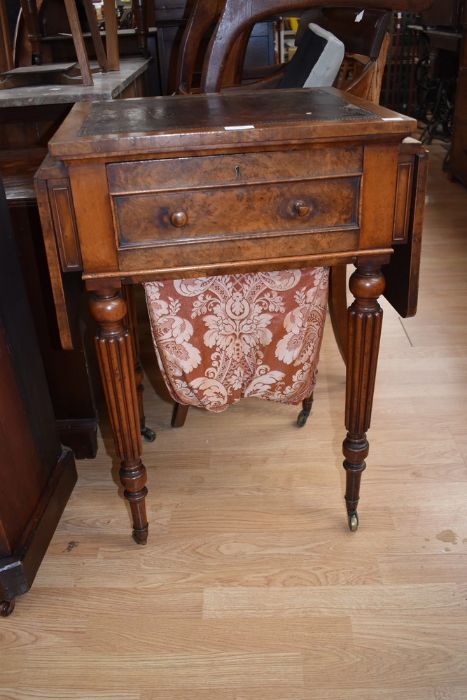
(37, 474)
(177, 187)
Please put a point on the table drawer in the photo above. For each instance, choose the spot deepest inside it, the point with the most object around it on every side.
(238, 169)
(235, 213)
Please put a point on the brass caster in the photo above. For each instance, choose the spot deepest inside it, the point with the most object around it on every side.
(302, 418)
(140, 536)
(6, 607)
(353, 522)
(148, 434)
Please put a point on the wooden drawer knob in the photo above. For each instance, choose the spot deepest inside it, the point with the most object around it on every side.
(301, 209)
(179, 219)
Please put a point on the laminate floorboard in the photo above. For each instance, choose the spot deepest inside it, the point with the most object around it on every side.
(251, 586)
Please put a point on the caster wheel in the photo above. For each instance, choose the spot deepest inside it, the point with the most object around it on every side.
(6, 607)
(140, 536)
(353, 522)
(302, 419)
(148, 434)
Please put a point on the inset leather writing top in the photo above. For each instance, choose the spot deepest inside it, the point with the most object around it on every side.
(228, 121)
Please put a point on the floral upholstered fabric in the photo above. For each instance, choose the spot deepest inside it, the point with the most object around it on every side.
(218, 339)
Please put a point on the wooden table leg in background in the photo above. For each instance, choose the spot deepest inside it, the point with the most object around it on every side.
(95, 34)
(78, 41)
(6, 54)
(141, 28)
(111, 35)
(364, 330)
(31, 20)
(116, 363)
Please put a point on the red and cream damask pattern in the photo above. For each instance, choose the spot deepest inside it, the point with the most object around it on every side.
(218, 339)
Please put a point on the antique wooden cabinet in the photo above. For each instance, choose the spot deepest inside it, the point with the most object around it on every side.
(37, 474)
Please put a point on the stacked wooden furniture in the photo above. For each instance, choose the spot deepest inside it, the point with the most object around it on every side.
(62, 72)
(37, 474)
(56, 45)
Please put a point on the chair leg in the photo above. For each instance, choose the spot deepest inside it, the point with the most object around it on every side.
(31, 20)
(305, 412)
(128, 294)
(78, 41)
(95, 34)
(338, 307)
(179, 415)
(6, 52)
(338, 313)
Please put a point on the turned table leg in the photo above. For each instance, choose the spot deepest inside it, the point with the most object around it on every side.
(116, 364)
(364, 329)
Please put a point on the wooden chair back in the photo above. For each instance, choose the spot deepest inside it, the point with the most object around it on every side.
(365, 41)
(202, 21)
(237, 17)
(366, 44)
(362, 32)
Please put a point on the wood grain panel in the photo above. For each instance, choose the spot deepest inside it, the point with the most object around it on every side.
(402, 208)
(93, 217)
(65, 224)
(379, 192)
(239, 169)
(235, 213)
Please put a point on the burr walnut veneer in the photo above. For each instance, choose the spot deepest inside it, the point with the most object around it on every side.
(174, 187)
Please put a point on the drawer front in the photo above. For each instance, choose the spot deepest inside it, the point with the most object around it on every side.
(235, 213)
(243, 168)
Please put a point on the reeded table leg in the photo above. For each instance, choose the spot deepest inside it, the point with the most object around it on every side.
(116, 363)
(364, 318)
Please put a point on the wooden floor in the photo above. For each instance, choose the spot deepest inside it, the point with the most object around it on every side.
(251, 587)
